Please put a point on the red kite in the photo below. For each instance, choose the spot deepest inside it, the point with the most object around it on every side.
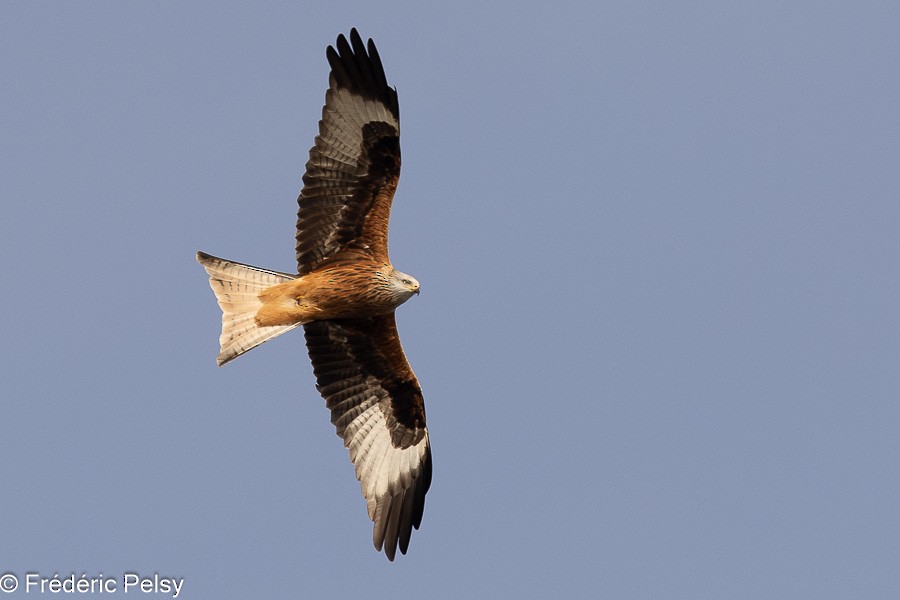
(345, 293)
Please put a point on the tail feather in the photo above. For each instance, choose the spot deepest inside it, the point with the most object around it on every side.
(237, 288)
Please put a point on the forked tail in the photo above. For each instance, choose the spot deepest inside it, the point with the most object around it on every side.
(237, 288)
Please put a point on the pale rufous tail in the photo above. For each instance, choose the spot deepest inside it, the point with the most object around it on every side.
(237, 288)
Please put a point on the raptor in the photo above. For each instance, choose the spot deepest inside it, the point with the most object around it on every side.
(345, 293)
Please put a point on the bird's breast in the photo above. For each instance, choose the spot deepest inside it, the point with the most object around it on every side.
(353, 291)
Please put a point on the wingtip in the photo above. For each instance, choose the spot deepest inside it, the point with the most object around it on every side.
(390, 550)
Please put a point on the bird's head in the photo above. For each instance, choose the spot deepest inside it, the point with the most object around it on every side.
(404, 286)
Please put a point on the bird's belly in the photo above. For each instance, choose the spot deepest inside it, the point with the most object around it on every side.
(328, 294)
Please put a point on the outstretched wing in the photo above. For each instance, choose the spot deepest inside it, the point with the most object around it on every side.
(354, 166)
(376, 405)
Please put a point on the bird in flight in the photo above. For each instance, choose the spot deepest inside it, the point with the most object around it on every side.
(345, 292)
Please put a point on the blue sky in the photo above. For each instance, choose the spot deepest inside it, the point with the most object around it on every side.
(658, 333)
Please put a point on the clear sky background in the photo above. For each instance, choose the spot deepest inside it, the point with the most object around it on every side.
(658, 333)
